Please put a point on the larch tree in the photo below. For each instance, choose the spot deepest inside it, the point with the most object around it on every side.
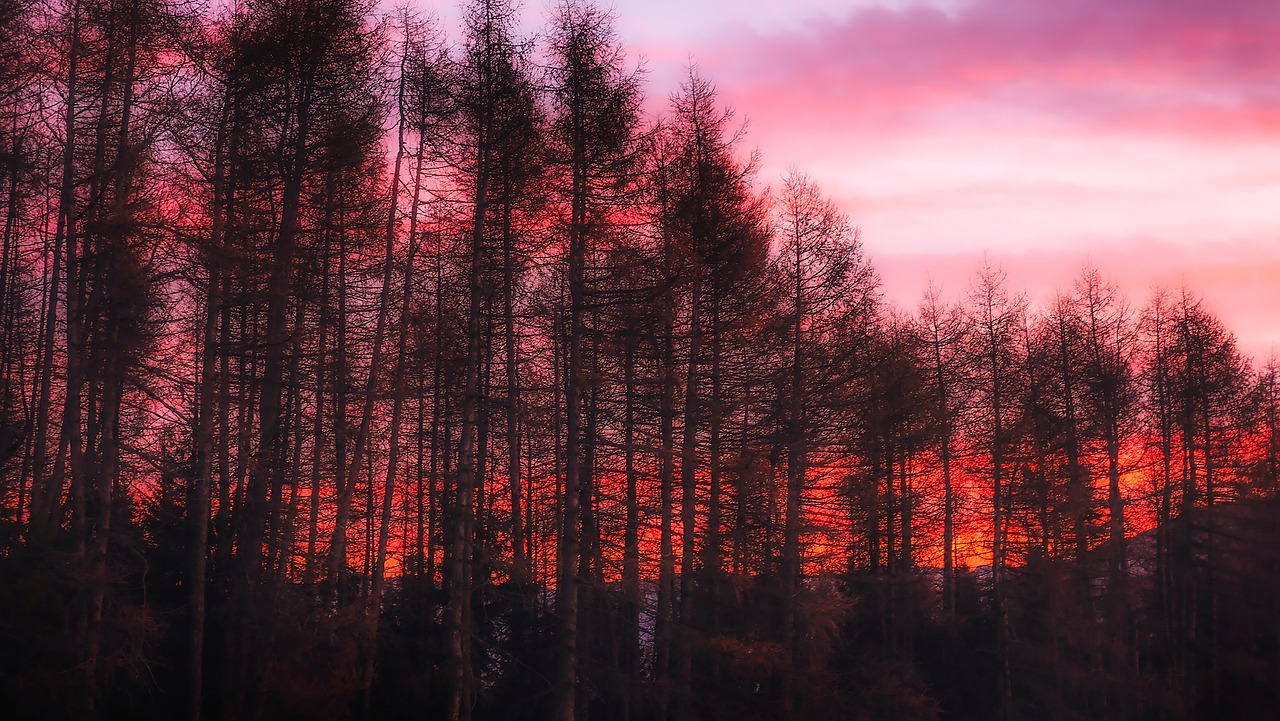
(823, 279)
(941, 329)
(995, 351)
(594, 129)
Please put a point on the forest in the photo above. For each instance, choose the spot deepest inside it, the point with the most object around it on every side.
(353, 366)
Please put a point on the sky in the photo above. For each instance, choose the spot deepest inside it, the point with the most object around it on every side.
(1140, 136)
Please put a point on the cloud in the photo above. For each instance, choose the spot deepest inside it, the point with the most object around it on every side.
(1142, 64)
(1143, 135)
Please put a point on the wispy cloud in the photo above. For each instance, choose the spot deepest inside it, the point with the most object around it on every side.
(1140, 64)
(1140, 135)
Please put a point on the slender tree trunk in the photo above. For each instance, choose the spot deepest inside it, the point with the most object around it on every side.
(665, 623)
(459, 584)
(46, 493)
(519, 561)
(318, 442)
(797, 459)
(570, 543)
(339, 543)
(199, 499)
(689, 503)
(712, 551)
(397, 407)
(631, 540)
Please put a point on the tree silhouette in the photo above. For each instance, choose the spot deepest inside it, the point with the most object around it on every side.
(350, 371)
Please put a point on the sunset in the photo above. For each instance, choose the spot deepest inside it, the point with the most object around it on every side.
(679, 360)
(1141, 136)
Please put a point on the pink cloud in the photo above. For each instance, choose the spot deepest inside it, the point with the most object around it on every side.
(1143, 135)
(1094, 61)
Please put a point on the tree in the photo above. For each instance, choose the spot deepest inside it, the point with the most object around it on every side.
(594, 128)
(942, 331)
(996, 354)
(715, 225)
(347, 372)
(824, 281)
(1111, 346)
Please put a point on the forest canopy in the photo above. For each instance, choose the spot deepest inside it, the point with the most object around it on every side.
(354, 366)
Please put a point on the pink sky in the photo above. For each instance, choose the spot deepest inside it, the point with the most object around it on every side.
(1140, 135)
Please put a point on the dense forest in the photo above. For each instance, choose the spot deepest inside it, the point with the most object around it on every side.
(354, 366)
